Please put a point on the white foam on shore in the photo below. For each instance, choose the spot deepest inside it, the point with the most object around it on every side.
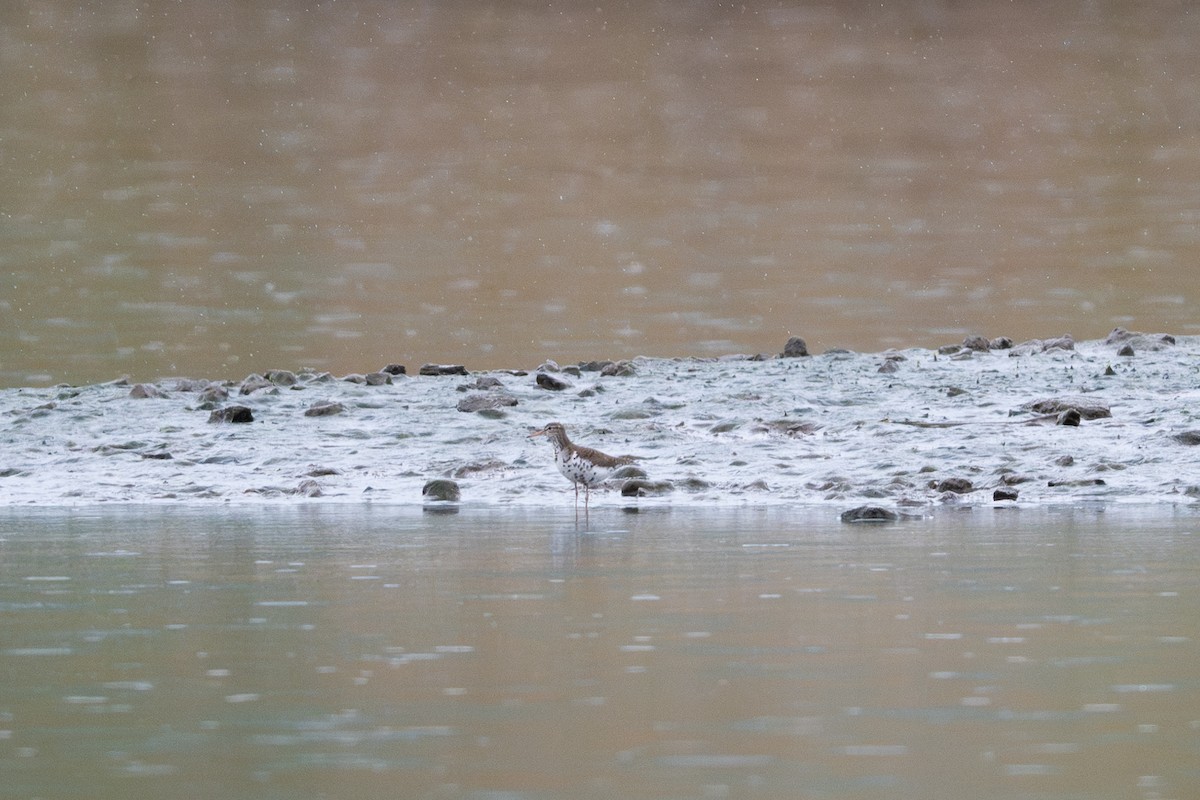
(817, 430)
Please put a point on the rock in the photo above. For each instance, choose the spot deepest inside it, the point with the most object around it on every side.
(1088, 409)
(1064, 461)
(214, 394)
(231, 414)
(795, 348)
(1001, 343)
(1079, 482)
(628, 471)
(949, 349)
(1004, 494)
(621, 369)
(395, 369)
(443, 369)
(955, 391)
(1035, 346)
(482, 382)
(489, 401)
(955, 485)
(326, 409)
(142, 391)
(890, 365)
(1142, 341)
(191, 385)
(281, 377)
(640, 487)
(869, 514)
(441, 489)
(1190, 438)
(980, 344)
(157, 455)
(254, 383)
(1109, 371)
(594, 366)
(552, 383)
(355, 377)
(378, 379)
(308, 488)
(1069, 417)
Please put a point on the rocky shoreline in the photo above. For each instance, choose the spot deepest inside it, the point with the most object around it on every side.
(986, 421)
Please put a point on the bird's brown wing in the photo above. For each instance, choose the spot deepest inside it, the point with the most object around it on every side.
(602, 459)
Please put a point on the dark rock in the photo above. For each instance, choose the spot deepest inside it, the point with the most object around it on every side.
(1079, 482)
(1126, 350)
(191, 385)
(214, 394)
(378, 379)
(955, 391)
(956, 485)
(231, 414)
(1109, 371)
(1088, 409)
(1035, 346)
(573, 371)
(157, 455)
(795, 348)
(324, 409)
(254, 383)
(442, 489)
(1064, 461)
(281, 377)
(142, 391)
(320, 472)
(482, 382)
(594, 366)
(628, 471)
(694, 484)
(355, 377)
(1004, 494)
(552, 383)
(640, 487)
(308, 488)
(869, 514)
(395, 369)
(949, 349)
(1069, 417)
(1190, 438)
(980, 344)
(483, 402)
(621, 369)
(890, 365)
(1001, 343)
(549, 365)
(443, 369)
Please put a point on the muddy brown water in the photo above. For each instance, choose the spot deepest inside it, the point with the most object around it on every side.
(212, 189)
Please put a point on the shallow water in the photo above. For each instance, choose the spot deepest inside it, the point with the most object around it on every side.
(365, 651)
(211, 189)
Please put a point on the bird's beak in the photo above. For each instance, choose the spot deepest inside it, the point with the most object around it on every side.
(538, 432)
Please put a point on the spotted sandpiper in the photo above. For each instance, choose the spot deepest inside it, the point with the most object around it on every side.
(581, 465)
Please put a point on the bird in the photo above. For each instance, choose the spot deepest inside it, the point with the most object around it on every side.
(580, 465)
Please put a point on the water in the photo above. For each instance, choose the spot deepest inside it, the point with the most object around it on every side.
(206, 189)
(367, 651)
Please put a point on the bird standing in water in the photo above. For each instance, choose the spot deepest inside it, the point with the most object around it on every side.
(581, 465)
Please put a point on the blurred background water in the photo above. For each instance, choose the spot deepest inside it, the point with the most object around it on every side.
(214, 188)
(299, 652)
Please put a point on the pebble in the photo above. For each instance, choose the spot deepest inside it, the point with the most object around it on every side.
(547, 381)
(231, 414)
(443, 369)
(795, 348)
(442, 489)
(869, 514)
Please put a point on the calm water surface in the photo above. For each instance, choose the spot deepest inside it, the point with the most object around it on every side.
(374, 652)
(211, 189)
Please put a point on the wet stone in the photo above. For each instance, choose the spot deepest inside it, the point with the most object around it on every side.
(955, 485)
(977, 343)
(395, 369)
(1126, 350)
(551, 383)
(869, 514)
(324, 410)
(640, 487)
(378, 379)
(443, 369)
(255, 383)
(1069, 417)
(142, 391)
(308, 488)
(238, 414)
(595, 366)
(620, 369)
(486, 402)
(1087, 408)
(795, 348)
(281, 377)
(1190, 438)
(441, 489)
(1004, 494)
